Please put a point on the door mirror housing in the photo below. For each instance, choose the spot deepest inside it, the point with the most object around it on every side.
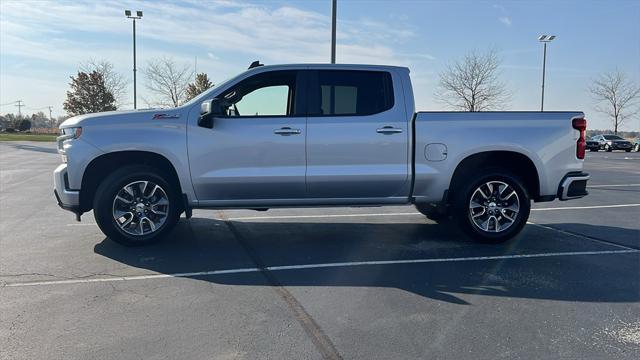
(208, 110)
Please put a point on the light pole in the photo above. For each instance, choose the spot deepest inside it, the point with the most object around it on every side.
(544, 39)
(138, 16)
(334, 9)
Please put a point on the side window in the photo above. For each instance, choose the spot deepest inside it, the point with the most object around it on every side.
(265, 94)
(347, 92)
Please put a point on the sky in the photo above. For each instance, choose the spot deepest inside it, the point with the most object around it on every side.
(42, 43)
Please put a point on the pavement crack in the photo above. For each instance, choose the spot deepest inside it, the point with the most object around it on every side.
(320, 340)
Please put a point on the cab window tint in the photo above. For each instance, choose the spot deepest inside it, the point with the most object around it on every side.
(345, 92)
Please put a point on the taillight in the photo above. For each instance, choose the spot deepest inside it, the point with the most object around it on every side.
(581, 148)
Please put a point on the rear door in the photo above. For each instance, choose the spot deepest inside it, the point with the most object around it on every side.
(357, 136)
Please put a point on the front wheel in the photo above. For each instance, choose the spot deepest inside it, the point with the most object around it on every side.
(136, 206)
(608, 148)
(493, 207)
(636, 148)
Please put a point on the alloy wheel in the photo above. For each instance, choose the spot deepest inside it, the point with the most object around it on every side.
(494, 206)
(140, 208)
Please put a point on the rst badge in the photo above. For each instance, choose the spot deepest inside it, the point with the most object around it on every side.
(165, 116)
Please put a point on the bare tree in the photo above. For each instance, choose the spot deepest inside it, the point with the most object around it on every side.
(115, 83)
(473, 83)
(617, 97)
(168, 80)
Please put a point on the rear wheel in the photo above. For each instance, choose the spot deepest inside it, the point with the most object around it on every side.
(608, 148)
(636, 148)
(493, 207)
(136, 206)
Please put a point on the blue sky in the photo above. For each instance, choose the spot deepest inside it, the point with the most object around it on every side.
(42, 43)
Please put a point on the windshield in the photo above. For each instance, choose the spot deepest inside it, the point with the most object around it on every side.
(613, 137)
(204, 94)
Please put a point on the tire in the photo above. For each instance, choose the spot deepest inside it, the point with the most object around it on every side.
(627, 150)
(498, 228)
(608, 148)
(636, 148)
(592, 150)
(148, 213)
(434, 212)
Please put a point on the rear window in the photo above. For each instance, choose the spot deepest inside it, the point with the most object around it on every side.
(345, 92)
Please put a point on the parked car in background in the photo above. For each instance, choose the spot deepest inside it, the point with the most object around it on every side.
(636, 144)
(593, 144)
(612, 142)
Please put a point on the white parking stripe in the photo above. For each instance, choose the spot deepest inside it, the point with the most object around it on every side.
(587, 207)
(614, 185)
(274, 217)
(410, 213)
(321, 266)
(321, 216)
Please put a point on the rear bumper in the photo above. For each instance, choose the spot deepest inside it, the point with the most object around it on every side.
(573, 186)
(67, 199)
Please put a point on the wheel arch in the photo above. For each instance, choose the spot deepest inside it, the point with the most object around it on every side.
(101, 166)
(518, 163)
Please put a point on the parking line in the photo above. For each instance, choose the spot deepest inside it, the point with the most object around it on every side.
(614, 185)
(321, 266)
(411, 213)
(586, 207)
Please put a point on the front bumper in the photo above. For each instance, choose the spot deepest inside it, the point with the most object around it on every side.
(67, 199)
(573, 186)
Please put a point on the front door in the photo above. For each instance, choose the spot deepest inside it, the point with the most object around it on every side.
(256, 151)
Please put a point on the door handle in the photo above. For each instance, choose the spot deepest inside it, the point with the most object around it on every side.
(286, 131)
(388, 130)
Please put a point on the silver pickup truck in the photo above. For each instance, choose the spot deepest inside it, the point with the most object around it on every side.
(312, 136)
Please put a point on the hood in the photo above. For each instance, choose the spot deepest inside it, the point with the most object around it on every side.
(122, 116)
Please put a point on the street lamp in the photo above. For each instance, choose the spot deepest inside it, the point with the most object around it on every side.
(138, 15)
(544, 39)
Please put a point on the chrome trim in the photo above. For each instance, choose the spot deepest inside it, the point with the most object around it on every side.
(567, 183)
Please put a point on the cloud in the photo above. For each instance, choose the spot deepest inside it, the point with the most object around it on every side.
(505, 20)
(59, 35)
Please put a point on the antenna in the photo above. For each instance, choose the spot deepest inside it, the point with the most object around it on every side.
(255, 64)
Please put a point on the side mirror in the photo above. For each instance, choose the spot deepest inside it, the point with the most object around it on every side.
(208, 110)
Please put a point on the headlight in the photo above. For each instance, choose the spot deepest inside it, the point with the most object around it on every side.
(70, 133)
(66, 134)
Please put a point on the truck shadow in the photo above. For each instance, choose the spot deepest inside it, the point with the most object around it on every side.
(205, 245)
(28, 147)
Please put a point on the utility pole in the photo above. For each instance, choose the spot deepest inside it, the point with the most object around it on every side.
(19, 105)
(50, 117)
(544, 39)
(138, 15)
(334, 9)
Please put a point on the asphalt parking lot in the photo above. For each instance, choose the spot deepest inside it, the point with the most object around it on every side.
(364, 283)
